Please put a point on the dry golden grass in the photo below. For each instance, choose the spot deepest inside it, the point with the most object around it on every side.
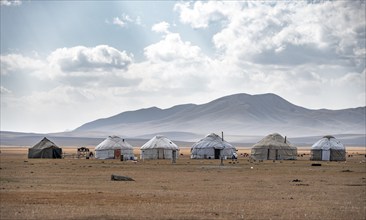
(190, 189)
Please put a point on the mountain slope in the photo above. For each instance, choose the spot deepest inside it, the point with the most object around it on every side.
(142, 115)
(239, 114)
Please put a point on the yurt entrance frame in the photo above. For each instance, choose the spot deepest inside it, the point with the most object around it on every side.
(117, 154)
(272, 154)
(161, 153)
(217, 153)
(174, 156)
(325, 154)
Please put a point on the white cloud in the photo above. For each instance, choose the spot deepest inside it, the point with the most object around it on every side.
(4, 90)
(172, 67)
(283, 32)
(10, 2)
(17, 62)
(201, 14)
(80, 67)
(162, 27)
(126, 19)
(173, 49)
(80, 58)
(357, 80)
(98, 67)
(119, 22)
(169, 79)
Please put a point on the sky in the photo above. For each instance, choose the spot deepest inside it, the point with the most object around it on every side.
(65, 63)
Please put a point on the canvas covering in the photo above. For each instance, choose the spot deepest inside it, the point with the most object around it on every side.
(274, 147)
(107, 148)
(45, 149)
(328, 148)
(159, 147)
(212, 147)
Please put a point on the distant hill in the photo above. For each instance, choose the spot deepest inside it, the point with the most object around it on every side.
(237, 115)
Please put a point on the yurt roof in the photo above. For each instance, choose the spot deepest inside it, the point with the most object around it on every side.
(112, 143)
(212, 141)
(328, 142)
(274, 140)
(45, 143)
(160, 142)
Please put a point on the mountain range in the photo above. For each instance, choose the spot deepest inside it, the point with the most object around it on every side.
(239, 116)
(244, 120)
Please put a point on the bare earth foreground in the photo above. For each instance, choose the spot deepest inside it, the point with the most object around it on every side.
(190, 189)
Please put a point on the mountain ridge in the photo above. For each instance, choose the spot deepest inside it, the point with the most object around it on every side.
(237, 114)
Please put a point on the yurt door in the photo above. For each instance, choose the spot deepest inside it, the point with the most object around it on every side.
(117, 154)
(217, 153)
(272, 154)
(174, 156)
(325, 154)
(160, 153)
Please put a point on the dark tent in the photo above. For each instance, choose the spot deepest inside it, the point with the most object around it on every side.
(274, 147)
(45, 149)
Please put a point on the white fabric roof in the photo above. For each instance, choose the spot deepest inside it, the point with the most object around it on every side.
(274, 140)
(112, 143)
(160, 141)
(212, 141)
(328, 142)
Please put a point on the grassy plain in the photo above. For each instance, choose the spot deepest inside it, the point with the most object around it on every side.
(190, 189)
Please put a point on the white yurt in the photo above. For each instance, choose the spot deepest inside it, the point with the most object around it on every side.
(159, 147)
(328, 148)
(113, 147)
(212, 147)
(274, 147)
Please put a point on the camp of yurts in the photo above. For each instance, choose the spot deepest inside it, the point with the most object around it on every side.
(114, 147)
(274, 147)
(45, 149)
(328, 148)
(159, 147)
(212, 147)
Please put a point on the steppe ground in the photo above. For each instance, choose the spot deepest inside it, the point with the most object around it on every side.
(190, 189)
